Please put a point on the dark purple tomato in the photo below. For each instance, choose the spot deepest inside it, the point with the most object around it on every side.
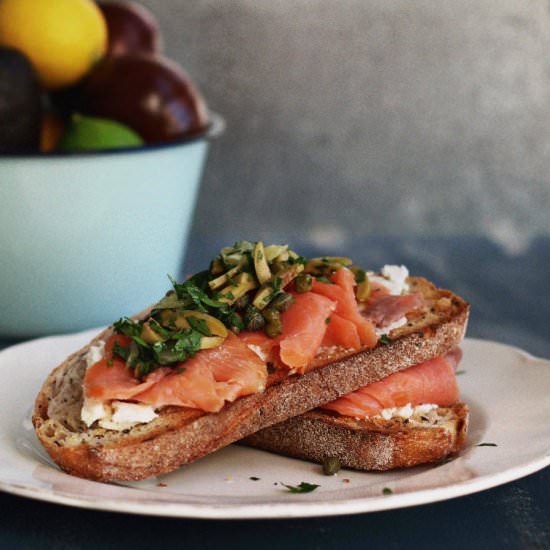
(150, 94)
(131, 28)
(20, 103)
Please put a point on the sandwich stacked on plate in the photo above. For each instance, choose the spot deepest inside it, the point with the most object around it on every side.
(312, 358)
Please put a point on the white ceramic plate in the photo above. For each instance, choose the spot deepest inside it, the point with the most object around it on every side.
(508, 392)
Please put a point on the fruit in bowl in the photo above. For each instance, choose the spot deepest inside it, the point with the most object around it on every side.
(131, 28)
(164, 104)
(104, 82)
(20, 102)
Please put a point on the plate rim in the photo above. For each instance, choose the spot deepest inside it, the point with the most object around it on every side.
(280, 510)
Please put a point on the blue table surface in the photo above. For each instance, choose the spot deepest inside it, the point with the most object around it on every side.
(509, 293)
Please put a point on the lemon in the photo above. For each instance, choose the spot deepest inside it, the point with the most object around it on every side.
(90, 133)
(62, 38)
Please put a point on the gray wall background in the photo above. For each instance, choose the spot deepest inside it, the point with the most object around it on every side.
(360, 117)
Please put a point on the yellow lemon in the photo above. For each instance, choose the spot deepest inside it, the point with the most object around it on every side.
(62, 38)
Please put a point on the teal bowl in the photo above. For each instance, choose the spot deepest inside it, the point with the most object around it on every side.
(87, 238)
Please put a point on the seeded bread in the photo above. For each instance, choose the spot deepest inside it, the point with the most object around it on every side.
(181, 435)
(370, 444)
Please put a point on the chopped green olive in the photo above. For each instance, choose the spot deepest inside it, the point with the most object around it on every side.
(278, 281)
(274, 328)
(149, 335)
(209, 342)
(242, 284)
(303, 283)
(327, 263)
(270, 314)
(274, 251)
(331, 465)
(261, 267)
(363, 290)
(133, 354)
(253, 319)
(282, 301)
(222, 280)
(179, 319)
(167, 357)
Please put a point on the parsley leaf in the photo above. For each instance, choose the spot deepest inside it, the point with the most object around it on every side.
(384, 339)
(199, 325)
(387, 491)
(304, 487)
(121, 351)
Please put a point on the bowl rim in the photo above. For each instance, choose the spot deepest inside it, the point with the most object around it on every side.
(216, 127)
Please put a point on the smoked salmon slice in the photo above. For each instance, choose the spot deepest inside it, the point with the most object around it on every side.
(304, 327)
(210, 378)
(432, 381)
(341, 332)
(341, 291)
(110, 378)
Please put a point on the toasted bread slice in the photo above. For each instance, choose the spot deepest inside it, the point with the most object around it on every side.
(180, 435)
(370, 444)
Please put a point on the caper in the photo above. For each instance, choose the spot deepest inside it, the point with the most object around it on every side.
(282, 301)
(303, 283)
(217, 266)
(331, 465)
(274, 328)
(270, 314)
(253, 319)
(236, 322)
(243, 301)
(279, 266)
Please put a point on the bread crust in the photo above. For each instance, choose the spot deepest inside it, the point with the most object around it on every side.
(367, 444)
(180, 435)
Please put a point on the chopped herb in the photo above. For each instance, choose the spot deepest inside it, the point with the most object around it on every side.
(387, 491)
(199, 325)
(254, 478)
(129, 327)
(121, 351)
(298, 260)
(384, 339)
(277, 283)
(322, 279)
(327, 320)
(360, 275)
(181, 370)
(486, 445)
(110, 363)
(304, 487)
(229, 295)
(459, 372)
(259, 255)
